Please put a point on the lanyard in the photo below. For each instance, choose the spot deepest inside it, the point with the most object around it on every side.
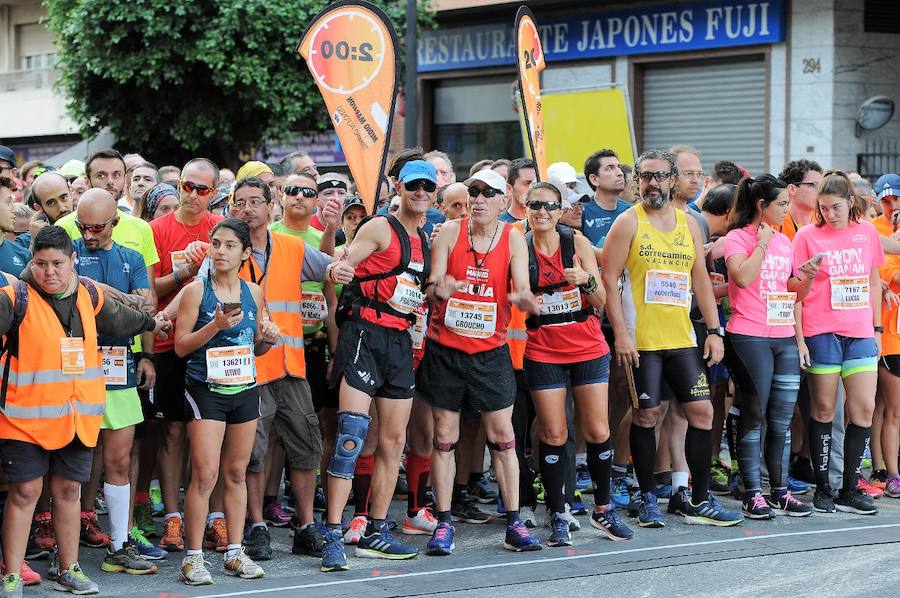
(268, 258)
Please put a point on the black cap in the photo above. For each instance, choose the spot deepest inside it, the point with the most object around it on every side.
(352, 200)
(7, 155)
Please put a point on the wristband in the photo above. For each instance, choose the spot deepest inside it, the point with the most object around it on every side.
(590, 287)
(762, 246)
(879, 329)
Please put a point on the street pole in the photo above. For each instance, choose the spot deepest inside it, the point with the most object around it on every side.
(411, 129)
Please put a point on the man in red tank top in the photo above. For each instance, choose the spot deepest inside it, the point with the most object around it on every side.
(475, 262)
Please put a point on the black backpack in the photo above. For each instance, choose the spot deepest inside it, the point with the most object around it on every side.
(567, 247)
(352, 300)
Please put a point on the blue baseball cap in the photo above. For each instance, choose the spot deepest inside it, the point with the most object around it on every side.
(887, 185)
(7, 155)
(417, 170)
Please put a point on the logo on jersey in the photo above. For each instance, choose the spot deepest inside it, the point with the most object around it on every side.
(551, 459)
(19, 262)
(126, 267)
(679, 239)
(589, 222)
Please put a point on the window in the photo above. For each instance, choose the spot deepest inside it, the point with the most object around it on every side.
(38, 61)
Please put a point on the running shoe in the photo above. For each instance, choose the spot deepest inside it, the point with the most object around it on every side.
(736, 485)
(258, 543)
(648, 514)
(718, 478)
(663, 493)
(618, 492)
(422, 524)
(855, 501)
(466, 511)
(156, 500)
(801, 468)
(126, 560)
(194, 571)
(678, 502)
(333, 556)
(610, 523)
(559, 531)
(710, 512)
(243, 566)
(100, 503)
(320, 502)
(74, 580)
(790, 506)
(519, 539)
(143, 519)
(583, 481)
(11, 586)
(864, 485)
(528, 517)
(215, 536)
(441, 542)
(309, 541)
(144, 547)
(482, 491)
(380, 544)
(53, 566)
(892, 488)
(578, 506)
(29, 576)
(355, 531)
(91, 534)
(538, 486)
(823, 500)
(756, 507)
(275, 515)
(796, 486)
(401, 489)
(501, 508)
(173, 536)
(33, 551)
(879, 478)
(574, 524)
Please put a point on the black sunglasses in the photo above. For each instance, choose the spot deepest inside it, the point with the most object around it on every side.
(413, 186)
(488, 192)
(307, 192)
(537, 206)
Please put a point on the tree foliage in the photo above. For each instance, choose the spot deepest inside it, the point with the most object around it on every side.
(188, 78)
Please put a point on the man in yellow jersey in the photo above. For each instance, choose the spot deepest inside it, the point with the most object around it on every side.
(657, 247)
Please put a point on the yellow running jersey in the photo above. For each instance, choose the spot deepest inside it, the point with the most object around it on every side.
(659, 268)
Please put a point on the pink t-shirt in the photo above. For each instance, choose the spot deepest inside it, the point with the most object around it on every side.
(749, 306)
(839, 301)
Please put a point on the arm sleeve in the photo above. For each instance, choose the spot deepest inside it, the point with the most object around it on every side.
(314, 264)
(119, 320)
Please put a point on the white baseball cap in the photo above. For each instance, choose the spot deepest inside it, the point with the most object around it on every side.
(491, 178)
(563, 171)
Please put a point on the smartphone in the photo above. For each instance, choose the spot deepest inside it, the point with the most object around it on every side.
(816, 258)
(227, 307)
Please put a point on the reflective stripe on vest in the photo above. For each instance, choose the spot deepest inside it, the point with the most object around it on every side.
(286, 307)
(51, 376)
(52, 411)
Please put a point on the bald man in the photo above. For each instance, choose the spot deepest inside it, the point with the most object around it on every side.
(455, 201)
(123, 269)
(50, 192)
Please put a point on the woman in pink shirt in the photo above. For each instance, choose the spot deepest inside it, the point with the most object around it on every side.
(761, 342)
(841, 323)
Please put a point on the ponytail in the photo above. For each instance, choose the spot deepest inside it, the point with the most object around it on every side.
(749, 191)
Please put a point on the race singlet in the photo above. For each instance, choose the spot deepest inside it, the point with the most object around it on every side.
(115, 365)
(313, 307)
(666, 287)
(473, 319)
(850, 292)
(72, 355)
(780, 309)
(230, 366)
(408, 295)
(560, 302)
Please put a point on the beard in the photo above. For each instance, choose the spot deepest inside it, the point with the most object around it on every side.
(658, 201)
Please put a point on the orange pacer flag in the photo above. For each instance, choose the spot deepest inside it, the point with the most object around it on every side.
(351, 50)
(530, 63)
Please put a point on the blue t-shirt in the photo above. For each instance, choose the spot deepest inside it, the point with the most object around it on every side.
(13, 258)
(507, 217)
(596, 221)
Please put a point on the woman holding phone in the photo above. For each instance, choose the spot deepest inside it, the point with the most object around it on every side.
(764, 346)
(841, 323)
(219, 330)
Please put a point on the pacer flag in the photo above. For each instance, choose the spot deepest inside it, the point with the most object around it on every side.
(351, 51)
(530, 62)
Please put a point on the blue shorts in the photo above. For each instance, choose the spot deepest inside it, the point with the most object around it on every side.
(546, 376)
(836, 354)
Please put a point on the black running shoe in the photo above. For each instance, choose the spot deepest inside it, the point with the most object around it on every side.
(678, 502)
(855, 501)
(823, 500)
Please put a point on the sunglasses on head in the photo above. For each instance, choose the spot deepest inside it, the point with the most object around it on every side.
(659, 175)
(94, 228)
(413, 186)
(307, 192)
(537, 206)
(202, 190)
(488, 192)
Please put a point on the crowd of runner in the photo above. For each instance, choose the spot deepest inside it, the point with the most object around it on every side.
(203, 355)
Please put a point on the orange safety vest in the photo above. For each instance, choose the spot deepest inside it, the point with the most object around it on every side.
(516, 332)
(44, 406)
(281, 301)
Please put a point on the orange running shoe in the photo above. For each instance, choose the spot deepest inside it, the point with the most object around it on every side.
(216, 535)
(43, 534)
(29, 576)
(864, 485)
(91, 534)
(173, 535)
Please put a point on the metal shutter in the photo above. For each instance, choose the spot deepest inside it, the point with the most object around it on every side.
(718, 107)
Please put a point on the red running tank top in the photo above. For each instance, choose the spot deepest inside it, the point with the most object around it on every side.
(474, 320)
(402, 291)
(569, 342)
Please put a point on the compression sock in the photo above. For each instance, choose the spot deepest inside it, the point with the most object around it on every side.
(820, 450)
(599, 464)
(643, 454)
(698, 452)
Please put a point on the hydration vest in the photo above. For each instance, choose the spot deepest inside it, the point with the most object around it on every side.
(567, 250)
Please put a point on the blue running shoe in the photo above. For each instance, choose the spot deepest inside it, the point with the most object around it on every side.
(583, 481)
(559, 531)
(333, 556)
(518, 538)
(482, 491)
(501, 508)
(663, 492)
(578, 506)
(618, 492)
(649, 515)
(710, 512)
(441, 542)
(144, 547)
(382, 545)
(611, 524)
(796, 486)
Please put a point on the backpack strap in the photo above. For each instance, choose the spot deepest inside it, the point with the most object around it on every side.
(92, 291)
(533, 273)
(11, 344)
(567, 243)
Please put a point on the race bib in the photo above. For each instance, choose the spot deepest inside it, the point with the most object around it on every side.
(472, 319)
(408, 295)
(313, 307)
(717, 279)
(72, 355)
(850, 292)
(115, 365)
(417, 331)
(665, 287)
(179, 259)
(780, 309)
(230, 366)
(560, 302)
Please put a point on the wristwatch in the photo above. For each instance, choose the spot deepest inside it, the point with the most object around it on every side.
(879, 329)
(719, 331)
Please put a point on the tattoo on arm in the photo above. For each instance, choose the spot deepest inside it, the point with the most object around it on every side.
(140, 300)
